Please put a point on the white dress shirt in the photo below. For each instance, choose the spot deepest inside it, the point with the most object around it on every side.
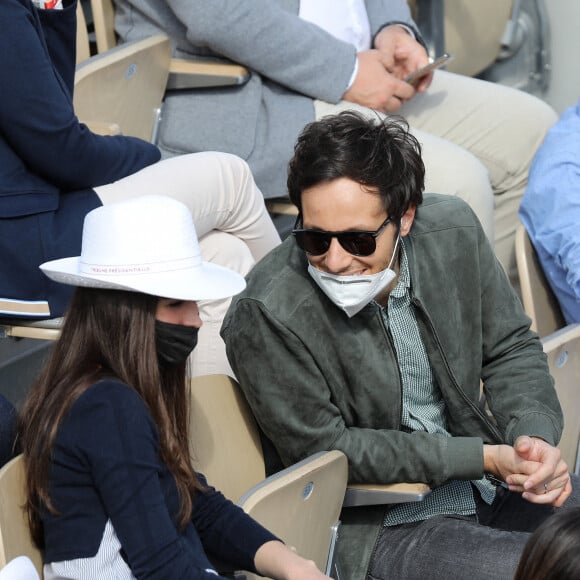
(345, 19)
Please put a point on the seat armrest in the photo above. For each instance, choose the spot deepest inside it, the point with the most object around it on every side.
(281, 206)
(373, 494)
(563, 351)
(48, 329)
(205, 73)
(560, 337)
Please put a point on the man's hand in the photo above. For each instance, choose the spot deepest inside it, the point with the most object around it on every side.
(550, 483)
(375, 87)
(531, 467)
(402, 54)
(503, 461)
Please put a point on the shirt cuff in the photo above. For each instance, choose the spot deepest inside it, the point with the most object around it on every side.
(409, 28)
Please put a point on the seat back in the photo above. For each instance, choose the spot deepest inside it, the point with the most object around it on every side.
(104, 22)
(124, 87)
(563, 351)
(15, 539)
(465, 21)
(540, 303)
(83, 46)
(225, 440)
(302, 504)
(39, 329)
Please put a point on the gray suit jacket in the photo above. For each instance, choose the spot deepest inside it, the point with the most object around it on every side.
(292, 61)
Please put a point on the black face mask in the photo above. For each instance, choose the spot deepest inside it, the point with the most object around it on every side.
(174, 342)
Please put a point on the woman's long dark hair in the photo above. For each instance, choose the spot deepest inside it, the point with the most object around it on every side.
(553, 550)
(106, 334)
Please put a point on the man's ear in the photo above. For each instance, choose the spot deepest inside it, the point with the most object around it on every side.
(407, 220)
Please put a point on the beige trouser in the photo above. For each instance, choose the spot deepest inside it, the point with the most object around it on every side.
(231, 221)
(478, 141)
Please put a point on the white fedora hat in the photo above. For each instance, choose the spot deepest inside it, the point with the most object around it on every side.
(146, 244)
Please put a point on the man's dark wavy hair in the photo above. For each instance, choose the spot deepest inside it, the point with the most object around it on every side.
(379, 154)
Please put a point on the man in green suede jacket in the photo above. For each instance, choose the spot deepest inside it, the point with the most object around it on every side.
(369, 331)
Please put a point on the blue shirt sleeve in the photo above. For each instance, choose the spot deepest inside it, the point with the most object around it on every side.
(550, 210)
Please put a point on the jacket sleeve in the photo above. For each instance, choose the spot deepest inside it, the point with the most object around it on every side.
(294, 405)
(516, 378)
(383, 12)
(37, 119)
(228, 534)
(271, 41)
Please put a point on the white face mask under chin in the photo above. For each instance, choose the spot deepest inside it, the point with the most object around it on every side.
(353, 293)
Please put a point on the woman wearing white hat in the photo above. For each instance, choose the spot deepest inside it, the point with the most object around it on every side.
(111, 492)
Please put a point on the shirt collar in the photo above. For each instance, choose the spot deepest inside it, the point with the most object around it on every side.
(404, 281)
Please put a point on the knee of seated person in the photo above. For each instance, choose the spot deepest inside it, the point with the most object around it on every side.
(469, 180)
(531, 118)
(544, 116)
(226, 250)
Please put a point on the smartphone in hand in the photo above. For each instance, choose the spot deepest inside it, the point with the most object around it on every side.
(415, 78)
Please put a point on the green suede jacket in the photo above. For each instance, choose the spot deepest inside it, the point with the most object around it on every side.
(317, 380)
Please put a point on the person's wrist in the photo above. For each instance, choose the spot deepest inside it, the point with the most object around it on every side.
(490, 459)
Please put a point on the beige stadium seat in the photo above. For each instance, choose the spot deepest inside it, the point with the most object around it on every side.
(121, 91)
(15, 539)
(83, 47)
(563, 351)
(227, 450)
(39, 329)
(473, 33)
(301, 505)
(540, 303)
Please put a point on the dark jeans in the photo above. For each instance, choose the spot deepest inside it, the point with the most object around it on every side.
(7, 430)
(485, 546)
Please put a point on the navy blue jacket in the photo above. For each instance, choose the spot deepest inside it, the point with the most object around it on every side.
(48, 160)
(106, 466)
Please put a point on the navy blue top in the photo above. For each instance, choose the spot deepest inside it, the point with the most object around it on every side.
(48, 160)
(106, 466)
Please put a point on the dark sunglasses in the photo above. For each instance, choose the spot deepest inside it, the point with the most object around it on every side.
(355, 242)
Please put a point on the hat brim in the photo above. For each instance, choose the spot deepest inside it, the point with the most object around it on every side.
(203, 282)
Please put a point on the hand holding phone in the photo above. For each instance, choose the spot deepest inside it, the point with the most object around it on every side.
(415, 78)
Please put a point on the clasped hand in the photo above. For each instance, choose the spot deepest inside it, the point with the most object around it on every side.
(531, 467)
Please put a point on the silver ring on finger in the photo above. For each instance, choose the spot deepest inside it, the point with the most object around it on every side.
(545, 488)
